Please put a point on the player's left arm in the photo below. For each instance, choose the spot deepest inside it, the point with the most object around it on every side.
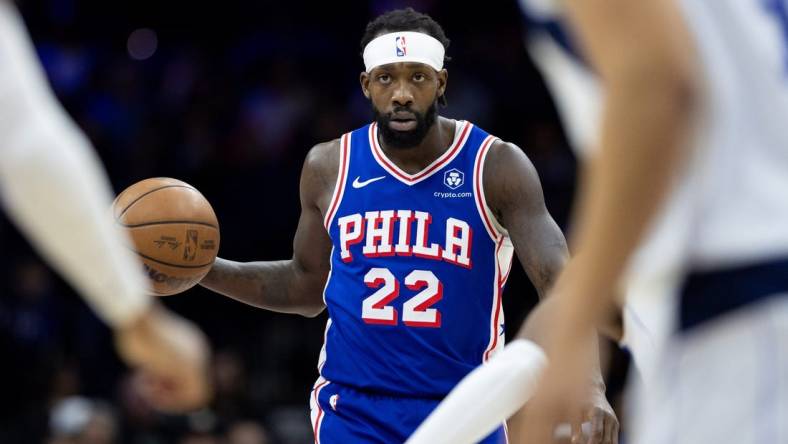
(514, 194)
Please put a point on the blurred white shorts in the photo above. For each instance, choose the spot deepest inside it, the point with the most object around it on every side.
(725, 381)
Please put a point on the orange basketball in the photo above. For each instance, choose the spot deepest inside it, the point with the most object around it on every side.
(174, 231)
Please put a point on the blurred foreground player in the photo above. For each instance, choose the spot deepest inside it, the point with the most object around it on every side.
(53, 187)
(645, 319)
(487, 395)
(686, 199)
(406, 235)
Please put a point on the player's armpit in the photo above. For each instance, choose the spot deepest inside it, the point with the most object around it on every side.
(514, 194)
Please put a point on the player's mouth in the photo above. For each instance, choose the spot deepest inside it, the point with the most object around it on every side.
(403, 125)
(403, 121)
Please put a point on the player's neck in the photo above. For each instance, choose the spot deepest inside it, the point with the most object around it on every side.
(414, 159)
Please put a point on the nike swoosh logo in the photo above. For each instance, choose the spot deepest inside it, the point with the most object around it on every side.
(360, 184)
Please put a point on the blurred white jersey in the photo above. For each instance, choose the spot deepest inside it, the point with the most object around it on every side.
(732, 198)
(573, 85)
(728, 211)
(730, 205)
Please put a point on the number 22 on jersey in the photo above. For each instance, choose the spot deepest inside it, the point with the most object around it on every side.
(416, 311)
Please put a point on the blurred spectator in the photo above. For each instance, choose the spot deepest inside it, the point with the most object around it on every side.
(231, 396)
(31, 339)
(247, 432)
(77, 420)
(200, 438)
(291, 425)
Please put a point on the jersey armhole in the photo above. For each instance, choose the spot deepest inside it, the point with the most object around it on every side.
(341, 181)
(491, 223)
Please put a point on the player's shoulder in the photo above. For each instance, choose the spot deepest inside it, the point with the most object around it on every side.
(507, 156)
(319, 173)
(323, 158)
(509, 175)
(323, 152)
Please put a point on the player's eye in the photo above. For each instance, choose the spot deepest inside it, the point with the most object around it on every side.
(419, 77)
(384, 78)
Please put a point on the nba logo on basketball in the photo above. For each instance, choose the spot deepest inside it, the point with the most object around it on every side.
(401, 48)
(190, 247)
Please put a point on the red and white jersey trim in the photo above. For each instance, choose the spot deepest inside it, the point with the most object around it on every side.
(339, 188)
(494, 228)
(316, 412)
(504, 253)
(321, 360)
(504, 250)
(460, 137)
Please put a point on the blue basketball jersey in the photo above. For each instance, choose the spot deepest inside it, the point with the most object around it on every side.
(417, 269)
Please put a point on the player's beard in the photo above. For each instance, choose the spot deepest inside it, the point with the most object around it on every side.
(405, 139)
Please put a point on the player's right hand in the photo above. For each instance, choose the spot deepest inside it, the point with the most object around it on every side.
(171, 356)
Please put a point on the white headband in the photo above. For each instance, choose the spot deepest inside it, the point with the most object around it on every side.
(406, 46)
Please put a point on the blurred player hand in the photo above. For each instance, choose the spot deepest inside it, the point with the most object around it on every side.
(171, 356)
(558, 415)
(564, 394)
(599, 414)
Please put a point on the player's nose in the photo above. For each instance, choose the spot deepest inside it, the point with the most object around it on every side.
(403, 95)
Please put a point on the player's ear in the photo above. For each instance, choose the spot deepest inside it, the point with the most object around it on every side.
(364, 80)
(443, 78)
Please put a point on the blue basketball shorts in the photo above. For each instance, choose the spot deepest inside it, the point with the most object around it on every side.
(343, 415)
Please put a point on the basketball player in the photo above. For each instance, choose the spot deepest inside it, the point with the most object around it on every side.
(53, 187)
(577, 93)
(407, 231)
(709, 221)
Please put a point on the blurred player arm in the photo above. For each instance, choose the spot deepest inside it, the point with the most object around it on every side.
(295, 285)
(603, 425)
(54, 187)
(642, 51)
(55, 190)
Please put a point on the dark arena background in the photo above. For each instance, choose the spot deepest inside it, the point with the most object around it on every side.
(229, 97)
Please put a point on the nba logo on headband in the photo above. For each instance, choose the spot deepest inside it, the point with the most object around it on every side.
(402, 50)
(394, 48)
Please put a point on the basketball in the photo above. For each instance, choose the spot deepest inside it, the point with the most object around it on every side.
(173, 230)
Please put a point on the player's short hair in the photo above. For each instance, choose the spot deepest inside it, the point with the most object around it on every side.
(406, 19)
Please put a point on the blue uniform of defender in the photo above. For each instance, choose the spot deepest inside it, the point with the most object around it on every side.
(414, 293)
